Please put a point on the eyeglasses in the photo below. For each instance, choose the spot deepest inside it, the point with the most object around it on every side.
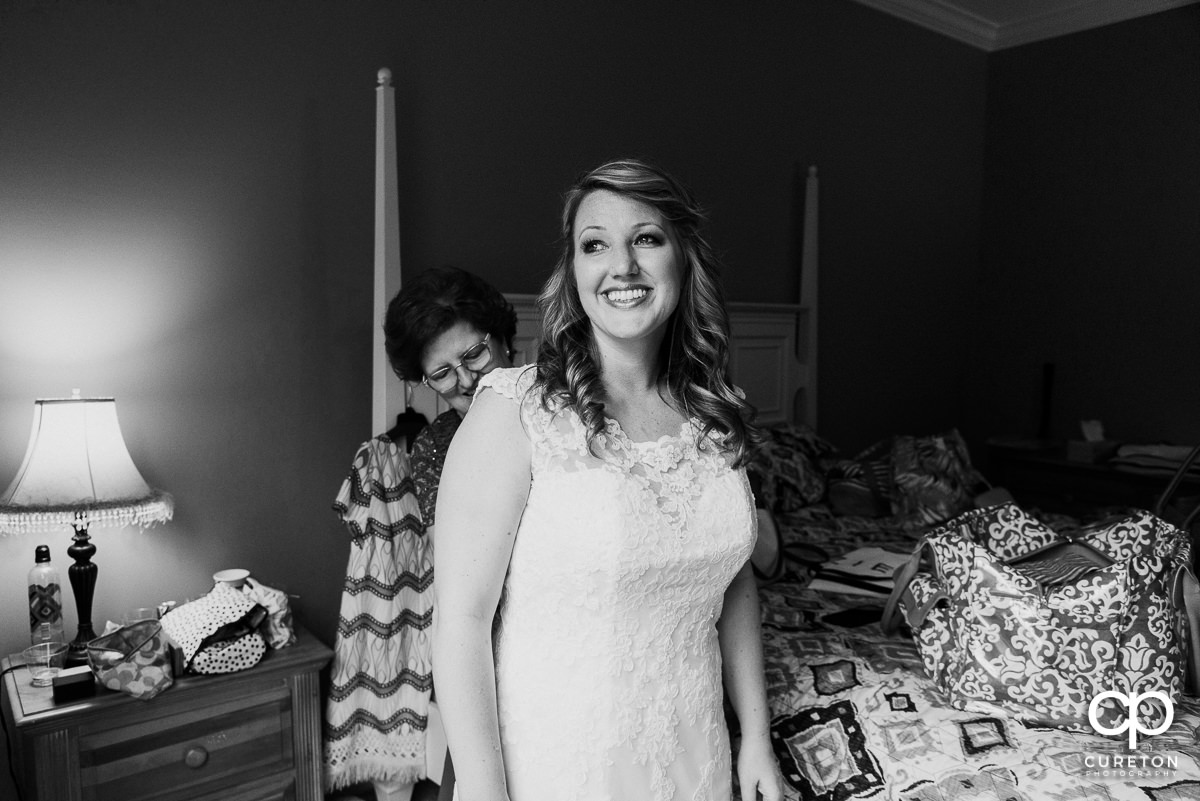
(474, 358)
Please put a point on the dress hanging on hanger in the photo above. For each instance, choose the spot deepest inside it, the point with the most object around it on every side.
(377, 711)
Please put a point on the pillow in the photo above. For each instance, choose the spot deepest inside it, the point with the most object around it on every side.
(863, 486)
(934, 477)
(925, 479)
(785, 473)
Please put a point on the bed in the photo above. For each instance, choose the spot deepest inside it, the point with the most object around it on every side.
(853, 713)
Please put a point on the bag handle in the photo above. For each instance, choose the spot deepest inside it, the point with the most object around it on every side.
(1177, 479)
(1186, 594)
(901, 579)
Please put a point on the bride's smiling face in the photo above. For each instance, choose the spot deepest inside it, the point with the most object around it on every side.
(628, 266)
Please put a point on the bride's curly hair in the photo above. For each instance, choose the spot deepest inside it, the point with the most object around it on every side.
(694, 356)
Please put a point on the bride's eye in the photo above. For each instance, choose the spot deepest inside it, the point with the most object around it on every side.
(648, 239)
(590, 245)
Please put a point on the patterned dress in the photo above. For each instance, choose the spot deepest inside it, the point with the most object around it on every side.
(381, 677)
(608, 668)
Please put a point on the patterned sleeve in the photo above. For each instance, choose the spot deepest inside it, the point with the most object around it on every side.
(379, 476)
(428, 457)
(353, 497)
(423, 474)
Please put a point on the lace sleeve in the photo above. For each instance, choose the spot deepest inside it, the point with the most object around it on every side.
(510, 382)
(516, 383)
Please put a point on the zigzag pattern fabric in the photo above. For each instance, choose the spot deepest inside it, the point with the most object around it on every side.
(378, 705)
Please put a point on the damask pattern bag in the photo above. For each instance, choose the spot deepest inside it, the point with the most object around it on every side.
(1008, 613)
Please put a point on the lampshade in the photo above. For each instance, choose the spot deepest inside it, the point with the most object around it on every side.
(78, 470)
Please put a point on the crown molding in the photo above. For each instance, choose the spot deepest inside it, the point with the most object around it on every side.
(942, 18)
(1079, 17)
(990, 35)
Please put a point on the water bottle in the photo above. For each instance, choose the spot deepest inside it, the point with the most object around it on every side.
(45, 599)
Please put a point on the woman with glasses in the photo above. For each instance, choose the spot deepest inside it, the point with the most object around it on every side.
(446, 328)
(599, 502)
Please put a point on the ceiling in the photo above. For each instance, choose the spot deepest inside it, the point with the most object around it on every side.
(996, 24)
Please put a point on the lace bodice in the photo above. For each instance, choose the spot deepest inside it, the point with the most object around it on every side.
(607, 662)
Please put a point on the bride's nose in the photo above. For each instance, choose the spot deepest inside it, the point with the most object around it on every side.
(626, 263)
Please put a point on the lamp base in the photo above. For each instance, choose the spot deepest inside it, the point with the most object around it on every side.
(77, 648)
(83, 583)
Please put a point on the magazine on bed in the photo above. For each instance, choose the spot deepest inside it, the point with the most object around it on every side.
(863, 571)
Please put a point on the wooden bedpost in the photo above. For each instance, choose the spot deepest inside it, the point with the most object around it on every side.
(387, 392)
(806, 335)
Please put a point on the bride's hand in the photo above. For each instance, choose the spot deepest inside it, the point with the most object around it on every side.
(758, 772)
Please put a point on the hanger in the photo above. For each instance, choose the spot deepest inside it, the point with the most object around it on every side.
(408, 423)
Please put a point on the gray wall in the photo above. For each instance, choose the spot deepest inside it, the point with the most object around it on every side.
(1091, 235)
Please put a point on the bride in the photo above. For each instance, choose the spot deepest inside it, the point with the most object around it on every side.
(594, 528)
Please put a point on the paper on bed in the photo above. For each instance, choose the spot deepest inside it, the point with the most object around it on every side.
(863, 571)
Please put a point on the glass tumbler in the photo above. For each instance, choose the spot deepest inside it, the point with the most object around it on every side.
(44, 661)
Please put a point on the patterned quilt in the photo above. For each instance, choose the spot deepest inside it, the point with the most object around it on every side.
(855, 717)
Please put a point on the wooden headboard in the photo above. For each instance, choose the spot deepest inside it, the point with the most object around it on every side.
(773, 346)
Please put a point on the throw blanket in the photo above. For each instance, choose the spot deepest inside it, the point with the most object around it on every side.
(378, 704)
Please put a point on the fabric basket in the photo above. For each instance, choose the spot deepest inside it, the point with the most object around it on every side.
(133, 659)
(218, 632)
(1008, 613)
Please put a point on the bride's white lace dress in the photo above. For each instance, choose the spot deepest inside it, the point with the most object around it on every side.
(607, 664)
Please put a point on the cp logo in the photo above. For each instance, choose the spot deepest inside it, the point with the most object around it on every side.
(1132, 702)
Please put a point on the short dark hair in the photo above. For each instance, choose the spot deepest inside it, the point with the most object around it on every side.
(431, 304)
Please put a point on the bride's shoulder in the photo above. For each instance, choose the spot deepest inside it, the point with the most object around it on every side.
(513, 383)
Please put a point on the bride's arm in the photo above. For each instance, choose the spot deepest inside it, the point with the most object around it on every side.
(485, 483)
(739, 632)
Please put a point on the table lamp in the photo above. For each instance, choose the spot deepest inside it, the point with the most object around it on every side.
(78, 472)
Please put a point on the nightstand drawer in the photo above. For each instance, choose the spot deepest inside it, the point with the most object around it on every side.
(191, 752)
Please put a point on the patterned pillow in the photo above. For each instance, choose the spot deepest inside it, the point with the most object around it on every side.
(934, 477)
(785, 472)
(925, 480)
(863, 486)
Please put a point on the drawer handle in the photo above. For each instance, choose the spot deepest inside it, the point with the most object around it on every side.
(195, 757)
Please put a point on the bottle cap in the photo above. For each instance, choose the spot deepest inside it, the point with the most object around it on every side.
(41, 553)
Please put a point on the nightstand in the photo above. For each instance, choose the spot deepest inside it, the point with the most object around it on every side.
(254, 735)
